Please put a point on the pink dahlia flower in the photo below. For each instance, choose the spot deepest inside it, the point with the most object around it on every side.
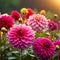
(52, 25)
(37, 22)
(21, 36)
(44, 48)
(57, 42)
(15, 14)
(6, 21)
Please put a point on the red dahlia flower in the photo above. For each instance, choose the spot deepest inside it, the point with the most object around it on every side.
(30, 12)
(6, 21)
(15, 14)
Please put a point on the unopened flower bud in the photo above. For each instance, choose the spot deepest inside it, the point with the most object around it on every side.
(20, 20)
(57, 46)
(3, 29)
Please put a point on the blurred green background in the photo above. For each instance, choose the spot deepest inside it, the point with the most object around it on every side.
(6, 6)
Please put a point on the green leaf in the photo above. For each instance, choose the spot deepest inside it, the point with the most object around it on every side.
(9, 54)
(50, 15)
(36, 11)
(41, 35)
(11, 58)
(15, 52)
(53, 33)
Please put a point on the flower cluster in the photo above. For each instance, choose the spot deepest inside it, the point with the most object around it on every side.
(27, 12)
(31, 31)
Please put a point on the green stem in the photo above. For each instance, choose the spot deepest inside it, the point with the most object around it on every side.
(0, 47)
(38, 58)
(4, 40)
(21, 54)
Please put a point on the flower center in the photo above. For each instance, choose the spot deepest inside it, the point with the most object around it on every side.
(52, 26)
(37, 17)
(21, 33)
(47, 44)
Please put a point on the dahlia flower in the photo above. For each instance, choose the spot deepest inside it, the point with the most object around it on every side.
(43, 12)
(21, 36)
(38, 22)
(30, 12)
(44, 48)
(15, 14)
(24, 11)
(52, 25)
(56, 16)
(57, 43)
(6, 21)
